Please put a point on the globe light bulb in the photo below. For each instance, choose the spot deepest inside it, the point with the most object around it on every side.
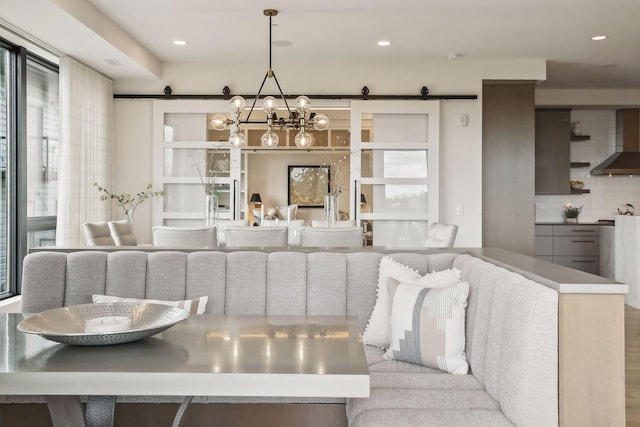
(219, 122)
(237, 104)
(304, 139)
(303, 104)
(270, 139)
(321, 122)
(269, 104)
(238, 140)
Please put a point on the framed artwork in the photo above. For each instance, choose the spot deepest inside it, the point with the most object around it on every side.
(308, 185)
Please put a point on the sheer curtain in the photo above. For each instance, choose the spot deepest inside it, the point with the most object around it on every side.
(86, 139)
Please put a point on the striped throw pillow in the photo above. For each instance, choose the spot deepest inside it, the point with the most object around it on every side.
(428, 326)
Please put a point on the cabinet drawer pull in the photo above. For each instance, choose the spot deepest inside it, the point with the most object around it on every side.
(585, 261)
(583, 231)
(583, 241)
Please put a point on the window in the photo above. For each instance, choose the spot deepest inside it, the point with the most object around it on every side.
(42, 153)
(28, 158)
(4, 155)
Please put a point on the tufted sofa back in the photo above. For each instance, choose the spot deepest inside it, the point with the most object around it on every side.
(512, 322)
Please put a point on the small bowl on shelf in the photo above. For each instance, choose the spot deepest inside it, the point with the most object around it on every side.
(577, 185)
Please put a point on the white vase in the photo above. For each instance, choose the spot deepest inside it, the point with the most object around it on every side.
(211, 210)
(571, 220)
(331, 211)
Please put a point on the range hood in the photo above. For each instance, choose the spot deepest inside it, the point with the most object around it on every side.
(626, 159)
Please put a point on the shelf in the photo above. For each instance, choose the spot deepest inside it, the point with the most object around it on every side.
(580, 164)
(580, 137)
(580, 191)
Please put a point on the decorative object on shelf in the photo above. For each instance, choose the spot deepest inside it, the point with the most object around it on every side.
(576, 185)
(308, 185)
(571, 213)
(301, 119)
(627, 211)
(576, 128)
(127, 201)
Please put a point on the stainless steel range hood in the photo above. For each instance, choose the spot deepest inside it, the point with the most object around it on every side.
(626, 159)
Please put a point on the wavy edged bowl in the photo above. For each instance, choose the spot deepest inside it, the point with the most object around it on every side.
(67, 324)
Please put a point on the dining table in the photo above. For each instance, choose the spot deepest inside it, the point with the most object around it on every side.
(204, 355)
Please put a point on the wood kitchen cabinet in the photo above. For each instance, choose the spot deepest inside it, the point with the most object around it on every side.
(552, 147)
(573, 245)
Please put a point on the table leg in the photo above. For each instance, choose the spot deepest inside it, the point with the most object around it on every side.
(99, 412)
(65, 411)
(181, 410)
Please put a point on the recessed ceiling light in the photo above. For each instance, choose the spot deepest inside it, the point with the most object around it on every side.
(384, 43)
(598, 38)
(179, 42)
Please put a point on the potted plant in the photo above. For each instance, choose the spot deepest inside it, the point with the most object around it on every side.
(571, 213)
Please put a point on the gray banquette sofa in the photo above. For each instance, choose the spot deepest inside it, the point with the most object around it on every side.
(511, 321)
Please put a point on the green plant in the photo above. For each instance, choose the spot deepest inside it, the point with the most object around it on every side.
(571, 211)
(127, 201)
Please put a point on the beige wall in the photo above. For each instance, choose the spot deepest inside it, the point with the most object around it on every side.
(460, 147)
(132, 160)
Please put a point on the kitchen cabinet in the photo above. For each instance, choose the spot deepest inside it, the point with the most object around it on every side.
(573, 245)
(552, 148)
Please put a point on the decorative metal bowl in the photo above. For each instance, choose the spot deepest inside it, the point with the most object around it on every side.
(67, 324)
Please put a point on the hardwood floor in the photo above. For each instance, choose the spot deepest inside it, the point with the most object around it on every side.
(632, 364)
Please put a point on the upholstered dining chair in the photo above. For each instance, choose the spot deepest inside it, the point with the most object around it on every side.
(223, 224)
(342, 223)
(122, 233)
(348, 237)
(440, 235)
(97, 234)
(256, 236)
(164, 235)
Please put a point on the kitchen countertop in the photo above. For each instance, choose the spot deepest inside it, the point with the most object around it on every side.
(602, 222)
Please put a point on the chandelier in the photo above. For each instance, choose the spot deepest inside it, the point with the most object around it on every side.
(300, 119)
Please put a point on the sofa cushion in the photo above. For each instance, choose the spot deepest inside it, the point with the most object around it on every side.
(427, 326)
(429, 418)
(422, 399)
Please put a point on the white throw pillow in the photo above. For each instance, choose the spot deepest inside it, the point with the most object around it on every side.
(193, 306)
(377, 331)
(428, 326)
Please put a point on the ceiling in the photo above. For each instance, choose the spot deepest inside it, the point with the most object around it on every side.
(138, 35)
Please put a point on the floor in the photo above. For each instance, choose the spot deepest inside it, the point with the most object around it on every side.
(632, 364)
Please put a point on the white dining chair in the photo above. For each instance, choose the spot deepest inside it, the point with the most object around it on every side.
(122, 233)
(223, 224)
(256, 236)
(347, 237)
(440, 235)
(97, 234)
(164, 235)
(343, 223)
